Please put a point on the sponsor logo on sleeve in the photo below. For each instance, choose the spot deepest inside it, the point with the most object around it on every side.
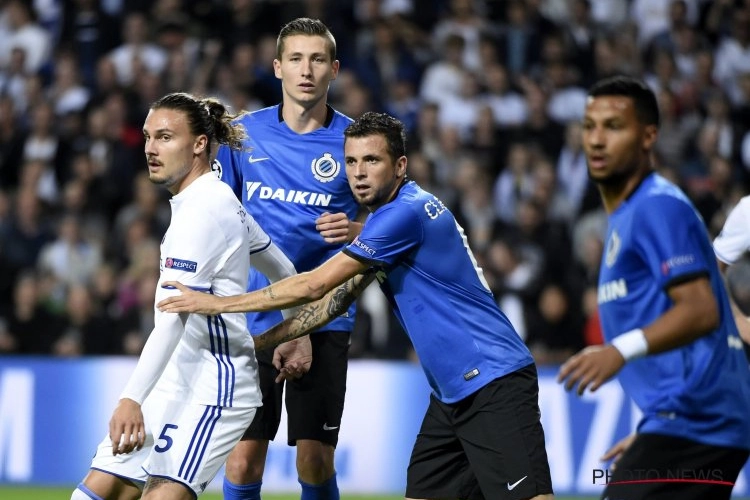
(181, 265)
(680, 260)
(369, 251)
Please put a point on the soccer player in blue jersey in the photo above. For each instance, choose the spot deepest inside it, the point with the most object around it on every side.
(290, 178)
(671, 338)
(481, 436)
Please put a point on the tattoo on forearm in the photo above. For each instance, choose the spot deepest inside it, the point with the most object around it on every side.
(268, 291)
(316, 314)
(344, 295)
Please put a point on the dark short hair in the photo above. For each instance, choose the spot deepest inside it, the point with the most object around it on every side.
(646, 106)
(308, 27)
(372, 123)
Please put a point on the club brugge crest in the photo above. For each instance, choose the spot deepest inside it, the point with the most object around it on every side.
(325, 168)
(613, 249)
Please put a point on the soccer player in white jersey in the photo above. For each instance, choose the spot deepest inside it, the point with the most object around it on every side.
(195, 388)
(732, 243)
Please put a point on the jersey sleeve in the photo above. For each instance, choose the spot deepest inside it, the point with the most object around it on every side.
(734, 239)
(668, 234)
(387, 235)
(226, 166)
(191, 254)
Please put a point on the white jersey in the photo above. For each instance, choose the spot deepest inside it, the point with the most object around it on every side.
(206, 247)
(734, 239)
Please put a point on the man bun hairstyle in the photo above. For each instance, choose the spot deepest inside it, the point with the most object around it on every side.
(207, 116)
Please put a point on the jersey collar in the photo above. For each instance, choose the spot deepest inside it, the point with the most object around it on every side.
(329, 115)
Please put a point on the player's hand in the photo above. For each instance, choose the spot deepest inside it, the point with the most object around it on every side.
(336, 228)
(189, 301)
(293, 358)
(616, 451)
(126, 428)
(591, 367)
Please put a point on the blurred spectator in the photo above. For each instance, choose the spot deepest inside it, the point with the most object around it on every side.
(733, 53)
(44, 146)
(137, 321)
(572, 171)
(444, 76)
(87, 329)
(385, 62)
(677, 131)
(473, 210)
(14, 80)
(509, 107)
(33, 329)
(90, 33)
(515, 182)
(26, 232)
(402, 102)
(555, 326)
(519, 41)
(138, 53)
(461, 111)
(244, 21)
(11, 144)
(580, 32)
(146, 208)
(465, 19)
(23, 32)
(516, 276)
(653, 17)
(66, 92)
(71, 259)
(486, 141)
(539, 128)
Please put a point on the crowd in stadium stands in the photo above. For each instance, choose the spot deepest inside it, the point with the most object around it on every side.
(492, 93)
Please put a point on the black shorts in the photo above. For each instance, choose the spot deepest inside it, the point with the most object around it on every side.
(488, 445)
(314, 403)
(660, 467)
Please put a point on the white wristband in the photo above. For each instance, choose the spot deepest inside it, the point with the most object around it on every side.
(632, 344)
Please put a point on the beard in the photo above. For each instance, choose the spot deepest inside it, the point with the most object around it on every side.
(612, 179)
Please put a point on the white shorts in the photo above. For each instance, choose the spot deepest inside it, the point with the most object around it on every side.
(187, 443)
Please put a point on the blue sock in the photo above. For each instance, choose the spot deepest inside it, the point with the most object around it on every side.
(241, 491)
(326, 491)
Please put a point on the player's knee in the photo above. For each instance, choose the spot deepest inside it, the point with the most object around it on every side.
(314, 468)
(241, 469)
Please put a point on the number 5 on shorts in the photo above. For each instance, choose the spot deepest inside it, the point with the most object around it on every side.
(163, 436)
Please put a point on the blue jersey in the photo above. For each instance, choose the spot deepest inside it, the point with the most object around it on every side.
(287, 180)
(700, 391)
(439, 294)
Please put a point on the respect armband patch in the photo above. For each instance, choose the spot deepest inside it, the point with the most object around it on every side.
(181, 265)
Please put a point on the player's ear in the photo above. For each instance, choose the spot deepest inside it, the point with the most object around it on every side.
(335, 69)
(201, 143)
(401, 167)
(277, 68)
(650, 133)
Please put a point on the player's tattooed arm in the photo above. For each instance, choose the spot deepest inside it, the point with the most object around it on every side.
(313, 315)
